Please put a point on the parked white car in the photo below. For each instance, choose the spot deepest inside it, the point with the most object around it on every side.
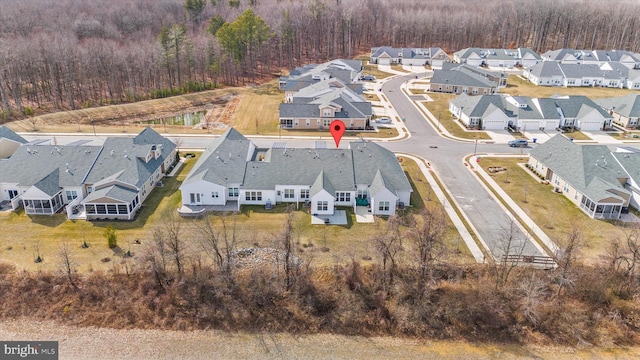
(383, 120)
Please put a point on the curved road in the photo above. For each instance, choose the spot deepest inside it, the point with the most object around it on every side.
(490, 220)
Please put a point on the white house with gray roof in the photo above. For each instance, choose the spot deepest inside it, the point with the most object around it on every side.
(93, 182)
(603, 184)
(508, 58)
(497, 112)
(234, 172)
(347, 71)
(624, 109)
(387, 55)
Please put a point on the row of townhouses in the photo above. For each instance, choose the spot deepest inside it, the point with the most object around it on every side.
(89, 182)
(233, 172)
(499, 111)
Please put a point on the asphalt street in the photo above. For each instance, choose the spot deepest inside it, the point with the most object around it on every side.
(490, 220)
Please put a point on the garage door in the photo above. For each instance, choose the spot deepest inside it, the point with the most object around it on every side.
(529, 125)
(590, 125)
(550, 124)
(494, 124)
(384, 61)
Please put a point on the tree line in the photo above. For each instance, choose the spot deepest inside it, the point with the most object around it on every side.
(66, 55)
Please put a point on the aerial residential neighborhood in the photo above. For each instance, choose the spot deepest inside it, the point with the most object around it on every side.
(320, 179)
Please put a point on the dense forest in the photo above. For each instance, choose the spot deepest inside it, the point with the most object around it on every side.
(71, 54)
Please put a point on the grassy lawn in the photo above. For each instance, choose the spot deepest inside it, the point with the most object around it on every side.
(371, 97)
(439, 107)
(373, 70)
(399, 68)
(44, 235)
(552, 212)
(518, 86)
(257, 112)
(417, 91)
(577, 135)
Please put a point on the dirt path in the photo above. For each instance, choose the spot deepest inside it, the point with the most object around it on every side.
(98, 343)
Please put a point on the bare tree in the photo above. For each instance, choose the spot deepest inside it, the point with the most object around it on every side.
(388, 243)
(217, 242)
(428, 238)
(287, 238)
(565, 257)
(512, 247)
(67, 265)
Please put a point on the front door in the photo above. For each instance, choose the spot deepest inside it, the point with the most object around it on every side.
(12, 194)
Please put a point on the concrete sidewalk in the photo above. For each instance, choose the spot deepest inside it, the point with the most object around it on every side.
(449, 208)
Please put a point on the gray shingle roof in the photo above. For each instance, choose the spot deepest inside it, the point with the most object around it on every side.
(301, 167)
(460, 76)
(628, 105)
(30, 164)
(224, 161)
(309, 100)
(116, 192)
(322, 183)
(7, 133)
(581, 165)
(546, 69)
(631, 163)
(369, 157)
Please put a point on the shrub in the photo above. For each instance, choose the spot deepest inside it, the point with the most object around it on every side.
(110, 234)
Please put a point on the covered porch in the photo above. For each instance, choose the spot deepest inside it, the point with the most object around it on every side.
(601, 210)
(42, 206)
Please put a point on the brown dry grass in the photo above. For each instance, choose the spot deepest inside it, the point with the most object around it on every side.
(518, 86)
(255, 225)
(553, 212)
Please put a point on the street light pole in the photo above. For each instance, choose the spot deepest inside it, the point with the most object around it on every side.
(475, 148)
(439, 119)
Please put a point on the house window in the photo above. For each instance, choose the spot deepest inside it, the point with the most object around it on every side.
(286, 123)
(233, 192)
(253, 195)
(112, 210)
(383, 206)
(326, 122)
(362, 194)
(215, 195)
(308, 123)
(323, 205)
(122, 209)
(289, 193)
(613, 83)
(343, 196)
(71, 194)
(304, 193)
(571, 81)
(326, 112)
(89, 189)
(195, 198)
(566, 187)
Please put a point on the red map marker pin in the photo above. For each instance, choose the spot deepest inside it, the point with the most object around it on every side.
(337, 130)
